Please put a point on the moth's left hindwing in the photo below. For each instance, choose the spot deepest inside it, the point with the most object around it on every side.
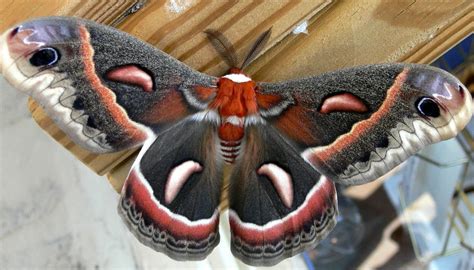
(170, 199)
(106, 89)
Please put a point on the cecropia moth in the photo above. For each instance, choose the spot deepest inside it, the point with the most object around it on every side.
(285, 143)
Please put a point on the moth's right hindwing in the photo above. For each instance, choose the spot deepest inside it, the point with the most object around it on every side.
(107, 90)
(279, 205)
(170, 199)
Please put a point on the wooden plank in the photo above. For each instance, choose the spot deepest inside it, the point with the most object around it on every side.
(363, 32)
(15, 11)
(442, 42)
(118, 174)
(181, 34)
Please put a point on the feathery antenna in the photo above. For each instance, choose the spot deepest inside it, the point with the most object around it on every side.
(223, 46)
(257, 47)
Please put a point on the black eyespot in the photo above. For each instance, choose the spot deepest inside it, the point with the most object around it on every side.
(383, 143)
(14, 31)
(365, 157)
(91, 122)
(427, 107)
(45, 57)
(461, 90)
(78, 104)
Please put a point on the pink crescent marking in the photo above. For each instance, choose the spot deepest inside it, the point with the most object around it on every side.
(344, 102)
(131, 74)
(281, 181)
(177, 177)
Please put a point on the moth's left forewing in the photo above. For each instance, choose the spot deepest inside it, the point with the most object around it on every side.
(355, 125)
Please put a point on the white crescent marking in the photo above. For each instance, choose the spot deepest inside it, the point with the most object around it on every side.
(271, 224)
(281, 181)
(179, 218)
(177, 177)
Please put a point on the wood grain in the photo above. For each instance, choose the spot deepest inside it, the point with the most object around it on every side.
(363, 32)
(15, 11)
(182, 34)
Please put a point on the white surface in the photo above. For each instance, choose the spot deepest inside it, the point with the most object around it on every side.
(56, 214)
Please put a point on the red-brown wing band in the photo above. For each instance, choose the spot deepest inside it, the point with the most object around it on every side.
(134, 132)
(301, 229)
(156, 226)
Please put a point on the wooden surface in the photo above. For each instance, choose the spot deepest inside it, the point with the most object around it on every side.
(15, 11)
(341, 34)
(180, 34)
(365, 32)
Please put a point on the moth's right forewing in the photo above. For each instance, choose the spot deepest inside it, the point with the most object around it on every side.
(356, 124)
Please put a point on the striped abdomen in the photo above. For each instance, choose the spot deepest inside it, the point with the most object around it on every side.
(230, 150)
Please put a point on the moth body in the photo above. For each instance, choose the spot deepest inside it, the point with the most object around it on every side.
(235, 101)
